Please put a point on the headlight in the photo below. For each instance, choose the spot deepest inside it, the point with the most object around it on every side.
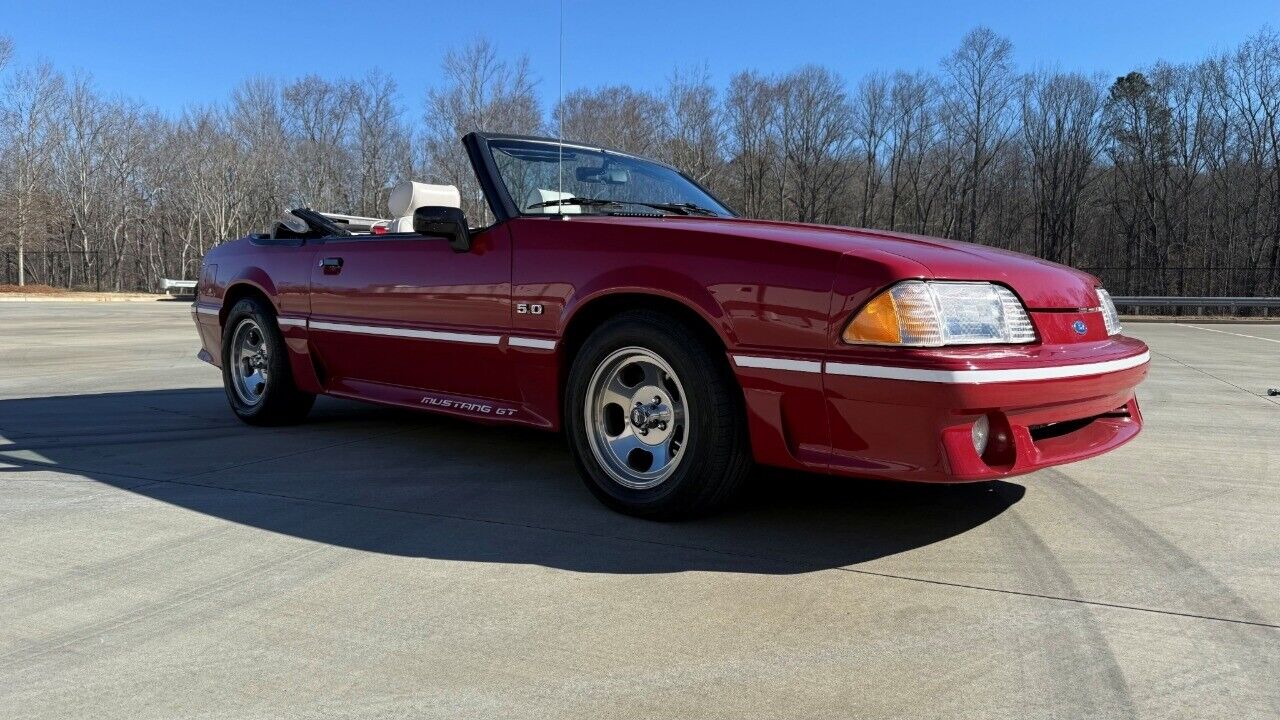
(1109, 314)
(932, 314)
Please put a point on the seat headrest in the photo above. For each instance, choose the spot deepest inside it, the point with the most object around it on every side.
(409, 196)
(540, 195)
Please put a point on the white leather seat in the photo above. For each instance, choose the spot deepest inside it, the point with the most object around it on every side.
(538, 195)
(409, 196)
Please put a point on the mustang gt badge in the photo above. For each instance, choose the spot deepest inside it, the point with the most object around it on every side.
(1079, 327)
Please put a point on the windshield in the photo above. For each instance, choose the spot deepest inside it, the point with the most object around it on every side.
(595, 182)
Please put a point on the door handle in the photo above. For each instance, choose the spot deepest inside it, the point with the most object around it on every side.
(331, 265)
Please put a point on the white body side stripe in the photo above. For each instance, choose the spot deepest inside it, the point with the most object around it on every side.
(441, 335)
(472, 338)
(1055, 372)
(885, 372)
(771, 363)
(526, 342)
(890, 372)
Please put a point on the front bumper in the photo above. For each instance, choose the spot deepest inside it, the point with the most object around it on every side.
(206, 317)
(910, 415)
(922, 431)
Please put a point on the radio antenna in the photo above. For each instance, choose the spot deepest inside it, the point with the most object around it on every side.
(560, 118)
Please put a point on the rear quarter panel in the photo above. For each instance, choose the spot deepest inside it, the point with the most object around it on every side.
(279, 272)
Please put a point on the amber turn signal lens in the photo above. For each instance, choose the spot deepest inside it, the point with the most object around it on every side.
(919, 313)
(876, 323)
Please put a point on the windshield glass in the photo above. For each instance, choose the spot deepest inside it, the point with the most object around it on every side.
(608, 183)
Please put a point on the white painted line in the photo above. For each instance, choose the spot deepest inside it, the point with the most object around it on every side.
(472, 338)
(987, 376)
(1224, 332)
(291, 322)
(774, 363)
(536, 343)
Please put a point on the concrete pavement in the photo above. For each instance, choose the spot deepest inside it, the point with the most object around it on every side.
(158, 559)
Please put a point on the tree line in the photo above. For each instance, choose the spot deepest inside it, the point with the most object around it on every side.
(1165, 180)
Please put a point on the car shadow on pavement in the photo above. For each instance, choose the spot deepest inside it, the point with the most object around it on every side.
(410, 484)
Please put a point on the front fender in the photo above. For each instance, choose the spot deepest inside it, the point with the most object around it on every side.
(660, 282)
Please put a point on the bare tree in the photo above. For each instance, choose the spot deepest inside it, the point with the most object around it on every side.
(871, 127)
(30, 128)
(381, 148)
(260, 142)
(125, 151)
(817, 138)
(754, 151)
(1251, 84)
(615, 116)
(319, 114)
(480, 92)
(79, 164)
(981, 85)
(1061, 128)
(693, 125)
(6, 51)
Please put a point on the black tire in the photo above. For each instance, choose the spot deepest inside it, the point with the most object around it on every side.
(280, 401)
(716, 449)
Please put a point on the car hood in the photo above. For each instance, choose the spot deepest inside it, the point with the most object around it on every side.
(1041, 284)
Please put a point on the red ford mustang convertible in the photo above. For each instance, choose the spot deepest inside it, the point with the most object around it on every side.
(673, 343)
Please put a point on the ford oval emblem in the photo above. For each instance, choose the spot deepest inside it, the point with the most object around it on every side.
(1079, 327)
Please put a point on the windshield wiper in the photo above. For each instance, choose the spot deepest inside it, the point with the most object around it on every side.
(685, 208)
(585, 202)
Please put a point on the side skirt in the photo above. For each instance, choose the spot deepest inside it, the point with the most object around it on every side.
(483, 410)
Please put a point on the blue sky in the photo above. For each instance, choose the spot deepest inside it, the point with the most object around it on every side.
(175, 54)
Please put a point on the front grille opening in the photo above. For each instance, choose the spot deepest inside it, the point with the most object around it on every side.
(1066, 427)
(1058, 429)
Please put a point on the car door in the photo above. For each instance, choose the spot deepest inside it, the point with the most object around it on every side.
(395, 315)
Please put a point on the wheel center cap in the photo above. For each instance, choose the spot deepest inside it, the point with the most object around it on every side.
(650, 416)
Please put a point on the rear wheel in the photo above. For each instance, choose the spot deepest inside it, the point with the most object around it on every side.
(655, 418)
(255, 368)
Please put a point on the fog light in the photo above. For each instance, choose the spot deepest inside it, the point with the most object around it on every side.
(981, 431)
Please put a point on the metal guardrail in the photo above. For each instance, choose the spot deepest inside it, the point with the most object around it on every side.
(1194, 302)
(177, 287)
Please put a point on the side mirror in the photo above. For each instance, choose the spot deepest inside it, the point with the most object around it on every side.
(443, 222)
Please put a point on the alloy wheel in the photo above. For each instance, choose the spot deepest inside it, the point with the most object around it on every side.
(250, 362)
(637, 418)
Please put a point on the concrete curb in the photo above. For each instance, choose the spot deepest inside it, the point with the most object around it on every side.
(16, 298)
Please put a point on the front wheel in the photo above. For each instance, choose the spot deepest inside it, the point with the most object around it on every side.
(255, 369)
(655, 418)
